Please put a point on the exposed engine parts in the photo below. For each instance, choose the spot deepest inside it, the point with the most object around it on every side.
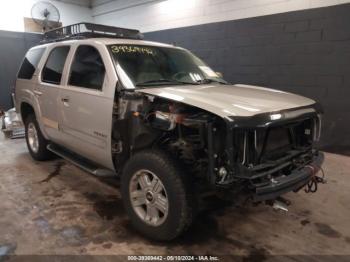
(220, 151)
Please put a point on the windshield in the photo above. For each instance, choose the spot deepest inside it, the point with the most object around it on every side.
(142, 66)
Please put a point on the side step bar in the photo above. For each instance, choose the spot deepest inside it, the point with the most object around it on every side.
(81, 162)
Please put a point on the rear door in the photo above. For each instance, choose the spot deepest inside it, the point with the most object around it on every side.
(86, 103)
(47, 91)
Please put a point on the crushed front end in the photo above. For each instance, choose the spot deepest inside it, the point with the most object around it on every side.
(264, 155)
(269, 154)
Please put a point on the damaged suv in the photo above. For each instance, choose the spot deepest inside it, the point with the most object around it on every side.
(165, 122)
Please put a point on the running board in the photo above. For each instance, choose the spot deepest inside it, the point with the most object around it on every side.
(81, 162)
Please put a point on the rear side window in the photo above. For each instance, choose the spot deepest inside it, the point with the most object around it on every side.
(52, 72)
(87, 70)
(30, 63)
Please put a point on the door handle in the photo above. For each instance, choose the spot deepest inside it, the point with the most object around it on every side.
(65, 101)
(37, 93)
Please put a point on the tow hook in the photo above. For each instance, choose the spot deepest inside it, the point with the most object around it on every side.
(279, 203)
(311, 186)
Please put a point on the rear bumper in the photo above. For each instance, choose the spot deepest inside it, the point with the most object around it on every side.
(293, 182)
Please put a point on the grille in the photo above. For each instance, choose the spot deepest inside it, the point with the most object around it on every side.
(257, 146)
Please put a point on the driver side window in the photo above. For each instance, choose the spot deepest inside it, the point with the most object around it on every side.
(87, 69)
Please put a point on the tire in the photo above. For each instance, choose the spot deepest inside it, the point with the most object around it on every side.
(38, 152)
(177, 191)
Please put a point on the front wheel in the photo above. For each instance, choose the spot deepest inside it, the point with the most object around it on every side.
(157, 195)
(36, 142)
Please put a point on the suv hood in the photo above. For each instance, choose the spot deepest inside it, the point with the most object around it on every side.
(231, 100)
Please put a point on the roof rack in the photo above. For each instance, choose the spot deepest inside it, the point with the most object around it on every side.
(89, 30)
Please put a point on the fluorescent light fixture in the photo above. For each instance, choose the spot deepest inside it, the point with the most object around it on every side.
(171, 6)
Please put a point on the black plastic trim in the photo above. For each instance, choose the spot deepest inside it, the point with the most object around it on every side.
(89, 30)
(284, 116)
(294, 181)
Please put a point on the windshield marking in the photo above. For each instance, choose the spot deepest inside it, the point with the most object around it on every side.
(132, 49)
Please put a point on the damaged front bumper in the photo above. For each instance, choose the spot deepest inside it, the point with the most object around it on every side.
(265, 156)
(292, 182)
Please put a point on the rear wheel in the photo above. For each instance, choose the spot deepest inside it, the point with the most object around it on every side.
(157, 195)
(36, 142)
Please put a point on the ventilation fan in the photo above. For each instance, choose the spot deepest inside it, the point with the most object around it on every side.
(46, 15)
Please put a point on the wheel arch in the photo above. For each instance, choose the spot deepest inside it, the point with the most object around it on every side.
(27, 109)
(178, 187)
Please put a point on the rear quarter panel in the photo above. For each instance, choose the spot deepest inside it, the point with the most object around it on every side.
(24, 92)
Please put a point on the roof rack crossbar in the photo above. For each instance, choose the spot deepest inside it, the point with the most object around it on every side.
(89, 30)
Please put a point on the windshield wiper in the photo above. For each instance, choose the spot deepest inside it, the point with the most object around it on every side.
(165, 81)
(210, 80)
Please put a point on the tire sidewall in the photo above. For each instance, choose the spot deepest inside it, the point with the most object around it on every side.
(42, 153)
(176, 195)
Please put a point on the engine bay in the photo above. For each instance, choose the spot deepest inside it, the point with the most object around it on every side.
(220, 151)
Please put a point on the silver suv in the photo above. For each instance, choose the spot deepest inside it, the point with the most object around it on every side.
(164, 122)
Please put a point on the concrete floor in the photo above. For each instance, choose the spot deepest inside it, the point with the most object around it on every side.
(55, 208)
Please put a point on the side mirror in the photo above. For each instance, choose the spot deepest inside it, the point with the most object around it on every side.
(219, 74)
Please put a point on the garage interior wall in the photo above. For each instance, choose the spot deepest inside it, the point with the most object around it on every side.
(302, 46)
(13, 46)
(12, 12)
(155, 15)
(297, 46)
(14, 42)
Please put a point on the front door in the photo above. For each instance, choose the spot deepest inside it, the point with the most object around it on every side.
(86, 106)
